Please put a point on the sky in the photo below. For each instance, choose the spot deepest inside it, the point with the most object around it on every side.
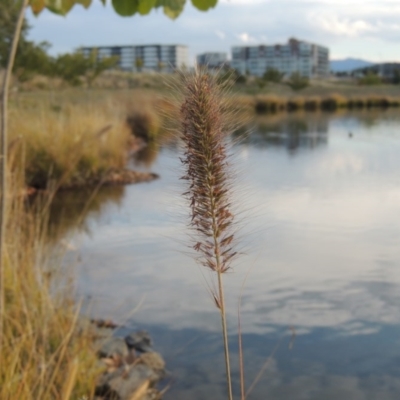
(367, 29)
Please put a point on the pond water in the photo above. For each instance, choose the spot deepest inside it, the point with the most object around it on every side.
(319, 228)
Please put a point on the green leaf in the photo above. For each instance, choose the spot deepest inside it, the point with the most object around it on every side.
(37, 6)
(145, 6)
(172, 8)
(85, 3)
(126, 8)
(204, 5)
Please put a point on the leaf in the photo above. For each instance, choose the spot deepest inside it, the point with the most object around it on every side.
(145, 6)
(67, 5)
(172, 8)
(126, 8)
(85, 3)
(37, 6)
(204, 5)
(55, 6)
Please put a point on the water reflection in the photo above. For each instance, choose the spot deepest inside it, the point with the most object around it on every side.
(71, 210)
(322, 236)
(290, 131)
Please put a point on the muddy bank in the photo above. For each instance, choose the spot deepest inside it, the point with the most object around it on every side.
(111, 178)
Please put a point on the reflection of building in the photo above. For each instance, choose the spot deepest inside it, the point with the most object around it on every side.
(165, 58)
(310, 60)
(212, 60)
(290, 132)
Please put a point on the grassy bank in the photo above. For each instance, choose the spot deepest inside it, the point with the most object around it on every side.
(44, 354)
(263, 104)
(76, 137)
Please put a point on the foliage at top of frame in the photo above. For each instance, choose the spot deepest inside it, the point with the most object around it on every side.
(125, 8)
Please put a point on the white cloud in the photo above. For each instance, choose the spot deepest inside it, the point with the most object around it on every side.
(245, 37)
(342, 26)
(220, 34)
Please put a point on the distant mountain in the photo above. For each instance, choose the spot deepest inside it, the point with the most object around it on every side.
(349, 64)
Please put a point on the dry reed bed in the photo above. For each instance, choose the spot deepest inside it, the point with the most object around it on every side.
(44, 354)
(271, 104)
(75, 139)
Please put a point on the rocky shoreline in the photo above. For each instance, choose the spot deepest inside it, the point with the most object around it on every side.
(131, 367)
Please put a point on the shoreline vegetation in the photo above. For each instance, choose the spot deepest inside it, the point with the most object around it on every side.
(67, 137)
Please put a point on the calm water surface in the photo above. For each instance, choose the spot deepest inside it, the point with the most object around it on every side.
(320, 235)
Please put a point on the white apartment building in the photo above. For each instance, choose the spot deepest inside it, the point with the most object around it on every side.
(165, 58)
(310, 60)
(212, 60)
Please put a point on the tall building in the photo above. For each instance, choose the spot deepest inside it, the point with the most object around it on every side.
(212, 60)
(310, 60)
(158, 57)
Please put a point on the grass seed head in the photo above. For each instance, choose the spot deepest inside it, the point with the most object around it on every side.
(207, 170)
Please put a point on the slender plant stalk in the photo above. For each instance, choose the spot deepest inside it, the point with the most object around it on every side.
(3, 157)
(225, 335)
(208, 176)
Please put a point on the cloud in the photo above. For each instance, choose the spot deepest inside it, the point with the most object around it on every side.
(342, 26)
(245, 37)
(220, 34)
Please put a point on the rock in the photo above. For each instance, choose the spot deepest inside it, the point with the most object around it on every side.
(113, 347)
(123, 383)
(139, 341)
(155, 362)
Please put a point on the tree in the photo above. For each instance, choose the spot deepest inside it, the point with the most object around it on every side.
(139, 64)
(30, 57)
(96, 66)
(396, 77)
(297, 81)
(370, 78)
(273, 75)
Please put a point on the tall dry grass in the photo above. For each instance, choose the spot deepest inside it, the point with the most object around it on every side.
(45, 355)
(68, 143)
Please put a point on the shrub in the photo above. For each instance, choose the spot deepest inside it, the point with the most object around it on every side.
(371, 78)
(273, 75)
(297, 81)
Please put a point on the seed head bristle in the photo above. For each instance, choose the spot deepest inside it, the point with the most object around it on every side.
(207, 171)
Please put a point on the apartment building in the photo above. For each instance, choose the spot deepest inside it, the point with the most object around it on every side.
(212, 60)
(165, 58)
(310, 60)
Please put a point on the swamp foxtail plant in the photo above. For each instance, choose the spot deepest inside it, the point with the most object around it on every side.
(208, 176)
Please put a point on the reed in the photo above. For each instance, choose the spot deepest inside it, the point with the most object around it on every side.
(45, 355)
(208, 179)
(333, 102)
(295, 104)
(66, 142)
(268, 104)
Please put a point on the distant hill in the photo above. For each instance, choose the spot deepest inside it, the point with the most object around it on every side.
(349, 64)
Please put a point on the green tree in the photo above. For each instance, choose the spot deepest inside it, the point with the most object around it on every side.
(273, 75)
(370, 78)
(297, 82)
(396, 77)
(71, 67)
(30, 58)
(96, 66)
(139, 64)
